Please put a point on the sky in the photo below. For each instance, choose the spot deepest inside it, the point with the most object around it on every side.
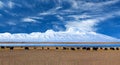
(60, 20)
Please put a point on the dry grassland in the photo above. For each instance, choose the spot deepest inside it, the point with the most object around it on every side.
(59, 57)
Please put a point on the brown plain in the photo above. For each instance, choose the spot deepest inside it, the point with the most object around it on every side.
(59, 57)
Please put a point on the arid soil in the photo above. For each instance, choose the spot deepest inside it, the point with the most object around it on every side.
(59, 57)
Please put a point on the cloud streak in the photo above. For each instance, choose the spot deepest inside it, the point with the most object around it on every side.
(28, 20)
(1, 4)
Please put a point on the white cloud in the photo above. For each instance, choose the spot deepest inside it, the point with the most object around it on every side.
(28, 20)
(82, 16)
(77, 6)
(82, 26)
(0, 15)
(57, 27)
(10, 4)
(35, 17)
(60, 17)
(11, 23)
(1, 4)
(52, 11)
(91, 5)
(87, 25)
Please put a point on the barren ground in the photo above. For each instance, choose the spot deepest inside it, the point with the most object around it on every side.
(59, 57)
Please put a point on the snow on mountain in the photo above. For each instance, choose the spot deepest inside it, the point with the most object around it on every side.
(51, 36)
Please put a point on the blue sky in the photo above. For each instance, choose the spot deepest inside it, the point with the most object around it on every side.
(73, 17)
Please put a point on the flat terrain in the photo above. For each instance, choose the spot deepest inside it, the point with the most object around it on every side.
(59, 57)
